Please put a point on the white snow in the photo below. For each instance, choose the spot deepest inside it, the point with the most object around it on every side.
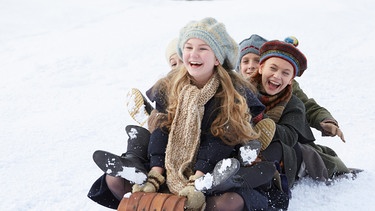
(133, 133)
(132, 175)
(66, 66)
(205, 182)
(127, 195)
(248, 155)
(227, 163)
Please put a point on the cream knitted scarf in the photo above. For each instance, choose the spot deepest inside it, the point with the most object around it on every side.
(184, 136)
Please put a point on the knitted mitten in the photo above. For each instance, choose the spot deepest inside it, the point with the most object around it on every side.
(152, 184)
(195, 199)
(266, 128)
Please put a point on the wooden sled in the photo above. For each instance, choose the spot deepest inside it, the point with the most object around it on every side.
(141, 201)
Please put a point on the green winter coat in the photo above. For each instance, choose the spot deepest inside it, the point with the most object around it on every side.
(314, 115)
(314, 112)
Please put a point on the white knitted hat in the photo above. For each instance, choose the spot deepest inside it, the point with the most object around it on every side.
(171, 49)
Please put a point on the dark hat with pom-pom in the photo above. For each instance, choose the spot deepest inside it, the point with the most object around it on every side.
(285, 50)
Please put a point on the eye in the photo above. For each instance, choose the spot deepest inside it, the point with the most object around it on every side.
(286, 73)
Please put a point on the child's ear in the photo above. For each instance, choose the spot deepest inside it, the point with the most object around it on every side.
(260, 70)
(217, 62)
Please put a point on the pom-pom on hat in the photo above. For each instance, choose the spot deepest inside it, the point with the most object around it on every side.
(292, 40)
(285, 50)
(213, 34)
(171, 49)
(250, 45)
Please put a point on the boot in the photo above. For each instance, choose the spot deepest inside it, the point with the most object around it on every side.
(249, 152)
(130, 165)
(245, 177)
(220, 178)
(138, 106)
(139, 138)
(118, 166)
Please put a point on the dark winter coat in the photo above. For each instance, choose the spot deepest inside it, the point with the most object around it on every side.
(292, 128)
(212, 149)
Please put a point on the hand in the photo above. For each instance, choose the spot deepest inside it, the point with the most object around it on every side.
(152, 184)
(266, 127)
(331, 128)
(195, 199)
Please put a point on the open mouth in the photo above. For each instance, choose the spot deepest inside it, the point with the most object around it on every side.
(195, 64)
(273, 85)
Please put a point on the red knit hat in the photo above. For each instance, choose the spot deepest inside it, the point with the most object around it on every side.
(285, 50)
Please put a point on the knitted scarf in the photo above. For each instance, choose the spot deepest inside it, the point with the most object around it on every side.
(275, 104)
(184, 136)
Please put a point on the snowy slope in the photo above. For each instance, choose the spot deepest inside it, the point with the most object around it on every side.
(66, 67)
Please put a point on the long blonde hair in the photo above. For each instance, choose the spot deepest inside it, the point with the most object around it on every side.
(232, 124)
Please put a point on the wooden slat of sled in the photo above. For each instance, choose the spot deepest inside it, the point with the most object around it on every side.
(152, 201)
(159, 201)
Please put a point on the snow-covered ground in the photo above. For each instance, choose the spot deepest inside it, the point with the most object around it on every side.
(66, 66)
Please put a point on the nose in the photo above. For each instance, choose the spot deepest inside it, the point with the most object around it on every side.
(253, 65)
(193, 53)
(277, 74)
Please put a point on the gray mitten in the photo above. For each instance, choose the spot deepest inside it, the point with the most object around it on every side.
(152, 184)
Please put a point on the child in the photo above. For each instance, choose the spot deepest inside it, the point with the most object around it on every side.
(120, 172)
(206, 112)
(317, 116)
(280, 62)
(171, 54)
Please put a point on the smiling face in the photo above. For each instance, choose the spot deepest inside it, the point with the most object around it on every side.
(276, 74)
(249, 64)
(199, 60)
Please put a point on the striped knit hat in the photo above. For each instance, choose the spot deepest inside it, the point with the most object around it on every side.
(215, 35)
(250, 45)
(286, 51)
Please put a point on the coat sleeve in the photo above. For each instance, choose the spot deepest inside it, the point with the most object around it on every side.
(159, 137)
(292, 126)
(157, 147)
(212, 150)
(314, 112)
